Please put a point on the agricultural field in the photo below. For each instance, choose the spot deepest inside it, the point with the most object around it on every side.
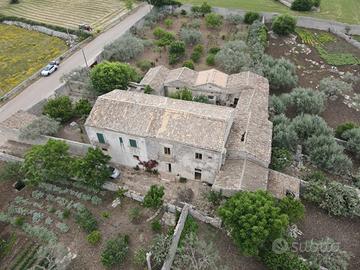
(24, 52)
(343, 11)
(65, 13)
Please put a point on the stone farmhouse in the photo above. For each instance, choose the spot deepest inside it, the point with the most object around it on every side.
(228, 147)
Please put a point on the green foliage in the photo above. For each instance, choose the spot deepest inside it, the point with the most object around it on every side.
(86, 220)
(116, 251)
(352, 137)
(66, 213)
(234, 19)
(148, 89)
(278, 104)
(82, 108)
(213, 20)
(48, 162)
(302, 5)
(284, 133)
(283, 25)
(124, 49)
(156, 226)
(307, 100)
(184, 94)
(280, 159)
(108, 76)
(190, 36)
(120, 193)
(42, 125)
(316, 3)
(214, 197)
(154, 197)
(337, 59)
(59, 108)
(11, 171)
(251, 17)
(327, 253)
(197, 53)
(190, 228)
(340, 129)
(201, 99)
(176, 51)
(164, 38)
(234, 57)
(92, 169)
(205, 8)
(94, 237)
(140, 257)
(144, 65)
(168, 22)
(293, 208)
(284, 261)
(189, 64)
(19, 221)
(253, 220)
(210, 59)
(159, 249)
(307, 126)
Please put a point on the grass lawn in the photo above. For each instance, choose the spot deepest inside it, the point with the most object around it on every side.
(66, 13)
(346, 11)
(24, 52)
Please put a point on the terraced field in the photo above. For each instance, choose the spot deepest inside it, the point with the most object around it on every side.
(66, 13)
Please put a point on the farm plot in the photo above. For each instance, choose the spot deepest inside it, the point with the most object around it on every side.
(65, 13)
(68, 213)
(24, 52)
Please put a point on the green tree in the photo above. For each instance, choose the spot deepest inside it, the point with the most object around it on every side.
(307, 100)
(284, 261)
(48, 162)
(184, 94)
(213, 20)
(154, 197)
(82, 108)
(176, 51)
(59, 108)
(250, 17)
(293, 208)
(116, 251)
(92, 169)
(253, 220)
(352, 138)
(108, 76)
(284, 25)
(42, 125)
(302, 5)
(160, 3)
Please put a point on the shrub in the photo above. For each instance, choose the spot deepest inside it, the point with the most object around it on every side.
(340, 129)
(210, 59)
(159, 249)
(108, 76)
(116, 251)
(302, 5)
(42, 125)
(280, 159)
(293, 208)
(214, 197)
(284, 25)
(250, 17)
(164, 38)
(307, 100)
(148, 89)
(281, 73)
(332, 87)
(176, 51)
(213, 20)
(316, 3)
(168, 22)
(205, 8)
(86, 220)
(82, 108)
(234, 57)
(201, 99)
(39, 232)
(307, 126)
(184, 94)
(11, 171)
(247, 210)
(144, 65)
(284, 261)
(140, 257)
(124, 49)
(94, 237)
(326, 253)
(190, 36)
(234, 19)
(189, 64)
(352, 137)
(284, 134)
(198, 51)
(64, 228)
(214, 50)
(156, 226)
(66, 213)
(59, 108)
(135, 214)
(105, 214)
(19, 221)
(154, 197)
(278, 104)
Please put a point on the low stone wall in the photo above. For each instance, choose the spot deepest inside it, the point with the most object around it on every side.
(42, 29)
(175, 239)
(347, 38)
(10, 158)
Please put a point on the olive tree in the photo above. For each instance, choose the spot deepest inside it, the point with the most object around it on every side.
(190, 36)
(40, 126)
(307, 100)
(124, 49)
(306, 126)
(352, 137)
(234, 57)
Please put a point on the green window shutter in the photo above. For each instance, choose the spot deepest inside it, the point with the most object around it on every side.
(100, 137)
(121, 140)
(133, 143)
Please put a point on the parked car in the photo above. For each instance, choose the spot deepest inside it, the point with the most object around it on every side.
(50, 68)
(115, 173)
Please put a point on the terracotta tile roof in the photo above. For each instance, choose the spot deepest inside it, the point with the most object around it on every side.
(19, 120)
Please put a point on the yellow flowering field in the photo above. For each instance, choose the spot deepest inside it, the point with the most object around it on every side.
(23, 52)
